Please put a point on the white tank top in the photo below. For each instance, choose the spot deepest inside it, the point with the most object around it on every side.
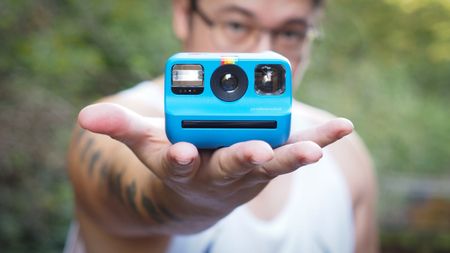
(317, 217)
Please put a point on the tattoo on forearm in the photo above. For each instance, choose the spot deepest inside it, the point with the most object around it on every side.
(93, 161)
(131, 195)
(104, 174)
(169, 214)
(151, 209)
(110, 178)
(114, 181)
(78, 136)
(86, 148)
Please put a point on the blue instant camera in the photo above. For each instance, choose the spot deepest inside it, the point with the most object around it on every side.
(214, 100)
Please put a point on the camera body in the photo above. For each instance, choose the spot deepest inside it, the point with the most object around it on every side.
(214, 100)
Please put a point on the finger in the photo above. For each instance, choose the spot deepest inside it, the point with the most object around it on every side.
(239, 159)
(176, 163)
(145, 137)
(324, 134)
(120, 123)
(140, 134)
(288, 158)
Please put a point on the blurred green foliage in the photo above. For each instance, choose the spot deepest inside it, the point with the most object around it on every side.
(388, 70)
(384, 64)
(55, 57)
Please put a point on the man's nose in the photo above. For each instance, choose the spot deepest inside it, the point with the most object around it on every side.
(264, 43)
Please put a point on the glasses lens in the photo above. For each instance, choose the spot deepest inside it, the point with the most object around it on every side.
(234, 36)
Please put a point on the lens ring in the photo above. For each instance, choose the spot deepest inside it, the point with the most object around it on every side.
(229, 82)
(229, 93)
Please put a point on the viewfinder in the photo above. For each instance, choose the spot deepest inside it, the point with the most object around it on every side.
(270, 79)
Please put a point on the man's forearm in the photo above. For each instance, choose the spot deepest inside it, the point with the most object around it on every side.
(114, 189)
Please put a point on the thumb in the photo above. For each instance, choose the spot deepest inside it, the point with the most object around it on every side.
(324, 134)
(120, 123)
(145, 137)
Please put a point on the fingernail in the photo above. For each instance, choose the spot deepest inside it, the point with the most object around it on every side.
(184, 162)
(349, 122)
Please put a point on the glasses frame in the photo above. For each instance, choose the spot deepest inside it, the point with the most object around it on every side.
(310, 34)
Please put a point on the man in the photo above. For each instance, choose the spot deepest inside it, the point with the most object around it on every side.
(136, 192)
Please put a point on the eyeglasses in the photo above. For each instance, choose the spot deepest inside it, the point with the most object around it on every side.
(234, 35)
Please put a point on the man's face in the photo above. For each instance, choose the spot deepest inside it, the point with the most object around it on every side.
(249, 26)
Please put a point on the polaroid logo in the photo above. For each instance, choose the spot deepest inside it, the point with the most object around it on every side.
(228, 60)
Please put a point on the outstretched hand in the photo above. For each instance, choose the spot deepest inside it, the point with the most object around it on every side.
(218, 179)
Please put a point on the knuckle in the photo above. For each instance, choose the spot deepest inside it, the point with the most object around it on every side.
(267, 174)
(223, 175)
(298, 153)
(247, 155)
(179, 179)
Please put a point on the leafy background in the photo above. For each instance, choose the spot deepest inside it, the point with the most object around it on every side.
(384, 64)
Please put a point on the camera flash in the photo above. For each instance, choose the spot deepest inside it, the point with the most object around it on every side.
(187, 73)
(187, 79)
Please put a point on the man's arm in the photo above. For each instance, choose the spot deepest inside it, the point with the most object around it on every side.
(111, 196)
(137, 188)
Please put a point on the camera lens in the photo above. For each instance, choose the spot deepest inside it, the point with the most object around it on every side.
(269, 79)
(229, 82)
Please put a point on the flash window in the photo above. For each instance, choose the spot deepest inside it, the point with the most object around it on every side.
(187, 79)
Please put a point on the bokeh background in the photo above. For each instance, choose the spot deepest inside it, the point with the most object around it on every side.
(384, 64)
